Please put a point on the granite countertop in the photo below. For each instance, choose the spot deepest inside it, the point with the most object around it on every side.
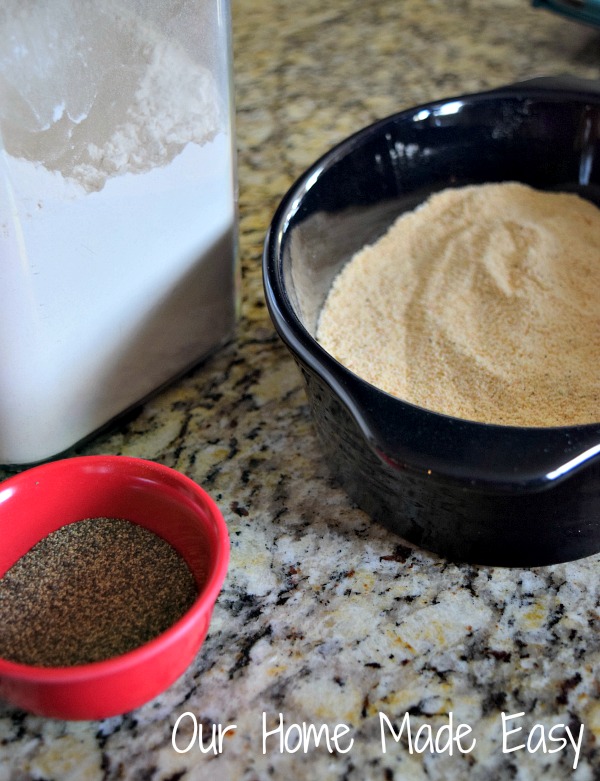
(326, 618)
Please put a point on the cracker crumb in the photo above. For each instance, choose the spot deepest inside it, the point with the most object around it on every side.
(483, 304)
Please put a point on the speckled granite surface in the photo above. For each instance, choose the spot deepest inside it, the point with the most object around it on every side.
(325, 618)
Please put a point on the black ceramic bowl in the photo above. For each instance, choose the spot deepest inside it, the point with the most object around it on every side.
(470, 491)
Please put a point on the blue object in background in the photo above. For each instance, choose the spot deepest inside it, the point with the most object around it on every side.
(587, 11)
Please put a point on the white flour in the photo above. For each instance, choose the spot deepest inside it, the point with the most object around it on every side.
(175, 104)
(112, 95)
(117, 210)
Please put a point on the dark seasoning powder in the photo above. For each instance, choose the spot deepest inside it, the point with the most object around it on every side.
(89, 591)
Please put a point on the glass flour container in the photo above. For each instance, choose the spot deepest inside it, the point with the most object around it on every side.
(118, 216)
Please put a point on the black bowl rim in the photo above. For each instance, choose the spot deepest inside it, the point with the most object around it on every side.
(530, 458)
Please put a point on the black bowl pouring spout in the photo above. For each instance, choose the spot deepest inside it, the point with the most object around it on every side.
(489, 494)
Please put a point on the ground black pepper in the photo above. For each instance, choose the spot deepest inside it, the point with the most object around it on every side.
(89, 591)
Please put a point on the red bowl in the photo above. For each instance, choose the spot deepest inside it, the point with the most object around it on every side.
(38, 501)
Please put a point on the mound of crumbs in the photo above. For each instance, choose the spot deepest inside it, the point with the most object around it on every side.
(90, 591)
(481, 304)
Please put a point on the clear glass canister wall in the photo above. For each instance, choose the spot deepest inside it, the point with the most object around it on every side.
(118, 231)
